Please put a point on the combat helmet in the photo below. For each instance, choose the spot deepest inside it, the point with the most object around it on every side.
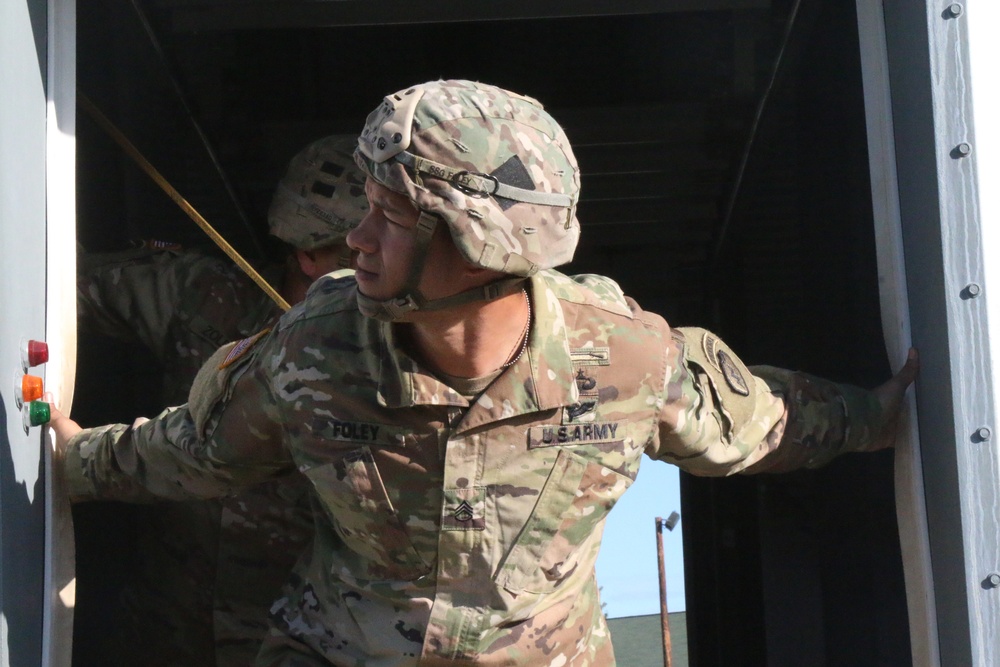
(321, 197)
(493, 165)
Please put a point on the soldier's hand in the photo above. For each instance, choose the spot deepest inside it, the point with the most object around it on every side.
(63, 427)
(890, 395)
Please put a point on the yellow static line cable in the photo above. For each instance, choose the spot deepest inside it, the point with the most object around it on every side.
(144, 164)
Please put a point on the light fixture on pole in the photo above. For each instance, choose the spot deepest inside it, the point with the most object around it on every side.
(669, 523)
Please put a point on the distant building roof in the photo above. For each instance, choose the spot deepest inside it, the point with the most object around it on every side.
(638, 643)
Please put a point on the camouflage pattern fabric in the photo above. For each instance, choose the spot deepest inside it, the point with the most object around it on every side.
(321, 197)
(457, 533)
(180, 304)
(209, 570)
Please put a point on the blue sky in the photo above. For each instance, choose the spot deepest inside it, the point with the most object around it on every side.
(626, 568)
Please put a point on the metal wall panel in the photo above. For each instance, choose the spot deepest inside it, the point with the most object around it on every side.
(932, 87)
(23, 63)
(37, 298)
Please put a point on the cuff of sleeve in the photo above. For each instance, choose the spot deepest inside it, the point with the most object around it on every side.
(864, 418)
(78, 486)
(80, 448)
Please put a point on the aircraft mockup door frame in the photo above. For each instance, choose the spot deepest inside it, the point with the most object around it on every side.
(932, 142)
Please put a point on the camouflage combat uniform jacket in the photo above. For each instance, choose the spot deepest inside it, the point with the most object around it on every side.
(208, 571)
(456, 533)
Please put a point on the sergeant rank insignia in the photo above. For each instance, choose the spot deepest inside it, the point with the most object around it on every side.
(464, 512)
(464, 509)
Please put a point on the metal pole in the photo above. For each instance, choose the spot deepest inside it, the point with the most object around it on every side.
(182, 97)
(171, 192)
(663, 593)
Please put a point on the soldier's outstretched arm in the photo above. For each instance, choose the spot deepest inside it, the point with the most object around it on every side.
(720, 417)
(226, 437)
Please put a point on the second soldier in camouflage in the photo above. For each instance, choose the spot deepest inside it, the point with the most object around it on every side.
(208, 571)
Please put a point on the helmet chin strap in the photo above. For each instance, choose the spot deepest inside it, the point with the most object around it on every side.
(396, 309)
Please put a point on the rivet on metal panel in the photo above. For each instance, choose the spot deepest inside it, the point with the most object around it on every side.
(971, 291)
(982, 434)
(993, 580)
(953, 11)
(962, 150)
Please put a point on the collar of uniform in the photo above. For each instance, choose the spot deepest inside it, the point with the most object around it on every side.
(542, 379)
(403, 382)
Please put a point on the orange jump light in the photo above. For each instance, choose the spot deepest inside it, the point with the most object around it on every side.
(31, 388)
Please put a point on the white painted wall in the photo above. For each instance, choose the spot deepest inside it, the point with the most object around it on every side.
(23, 56)
(60, 321)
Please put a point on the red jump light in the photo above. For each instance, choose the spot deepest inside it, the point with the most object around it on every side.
(37, 353)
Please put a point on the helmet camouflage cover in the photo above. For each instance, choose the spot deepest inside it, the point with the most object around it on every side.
(494, 165)
(321, 197)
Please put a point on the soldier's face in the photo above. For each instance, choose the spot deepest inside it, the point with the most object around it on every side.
(385, 241)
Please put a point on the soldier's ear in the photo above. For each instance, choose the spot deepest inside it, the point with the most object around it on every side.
(307, 263)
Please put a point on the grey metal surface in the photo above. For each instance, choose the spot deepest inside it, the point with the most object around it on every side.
(196, 15)
(22, 304)
(931, 86)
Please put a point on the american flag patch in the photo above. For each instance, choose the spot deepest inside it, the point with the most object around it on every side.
(156, 244)
(241, 348)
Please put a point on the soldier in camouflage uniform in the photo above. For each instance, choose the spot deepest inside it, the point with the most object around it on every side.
(210, 569)
(467, 416)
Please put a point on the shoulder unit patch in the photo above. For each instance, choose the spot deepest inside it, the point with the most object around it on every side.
(733, 387)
